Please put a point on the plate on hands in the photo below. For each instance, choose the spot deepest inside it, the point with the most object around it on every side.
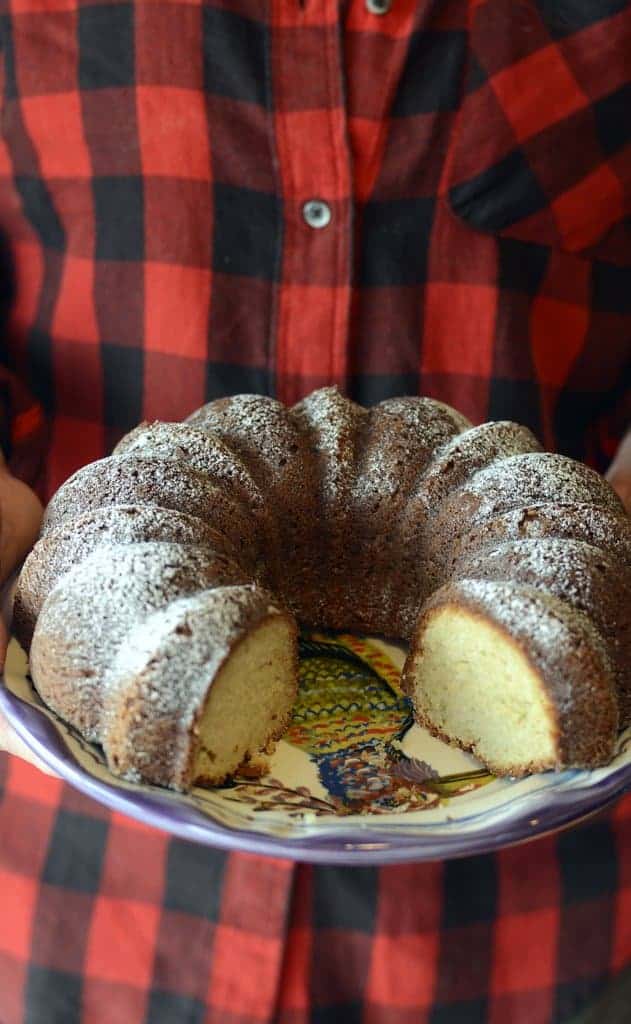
(353, 781)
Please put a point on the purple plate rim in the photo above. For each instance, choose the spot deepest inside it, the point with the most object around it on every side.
(539, 815)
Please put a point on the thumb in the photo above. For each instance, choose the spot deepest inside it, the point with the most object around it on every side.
(11, 742)
(20, 514)
(621, 482)
(619, 472)
(20, 517)
(9, 739)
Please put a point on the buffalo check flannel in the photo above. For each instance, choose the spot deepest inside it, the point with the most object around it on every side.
(155, 160)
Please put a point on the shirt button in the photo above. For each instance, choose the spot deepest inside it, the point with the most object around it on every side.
(378, 6)
(316, 213)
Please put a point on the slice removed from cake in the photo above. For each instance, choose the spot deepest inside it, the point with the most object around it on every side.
(513, 675)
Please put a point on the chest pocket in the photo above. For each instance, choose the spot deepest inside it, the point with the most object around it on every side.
(542, 148)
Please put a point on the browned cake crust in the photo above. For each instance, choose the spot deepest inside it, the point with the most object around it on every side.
(606, 529)
(421, 539)
(209, 455)
(510, 484)
(400, 438)
(163, 483)
(262, 432)
(351, 518)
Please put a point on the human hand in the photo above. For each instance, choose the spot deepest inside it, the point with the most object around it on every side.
(619, 472)
(20, 517)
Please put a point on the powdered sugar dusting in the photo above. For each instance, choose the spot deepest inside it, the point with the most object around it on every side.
(126, 524)
(418, 407)
(470, 452)
(93, 607)
(279, 458)
(594, 524)
(128, 479)
(402, 435)
(331, 425)
(257, 427)
(541, 476)
(573, 570)
(204, 452)
(60, 550)
(583, 576)
(159, 682)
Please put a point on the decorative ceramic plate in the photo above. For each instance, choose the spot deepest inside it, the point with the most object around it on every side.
(354, 781)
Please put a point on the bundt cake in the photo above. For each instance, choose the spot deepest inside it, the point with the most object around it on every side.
(160, 604)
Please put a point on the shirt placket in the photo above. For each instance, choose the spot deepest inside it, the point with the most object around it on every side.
(315, 181)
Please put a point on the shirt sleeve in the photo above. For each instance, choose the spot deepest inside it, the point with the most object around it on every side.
(23, 432)
(609, 431)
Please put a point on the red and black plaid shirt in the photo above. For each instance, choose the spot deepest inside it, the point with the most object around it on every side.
(156, 158)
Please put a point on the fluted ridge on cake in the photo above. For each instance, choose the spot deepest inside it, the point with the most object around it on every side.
(62, 549)
(513, 482)
(331, 427)
(596, 525)
(277, 454)
(164, 483)
(418, 534)
(400, 439)
(521, 479)
(204, 452)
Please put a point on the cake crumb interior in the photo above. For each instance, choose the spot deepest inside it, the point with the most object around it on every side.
(249, 702)
(476, 687)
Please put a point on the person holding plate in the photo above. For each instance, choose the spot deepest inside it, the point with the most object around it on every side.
(396, 197)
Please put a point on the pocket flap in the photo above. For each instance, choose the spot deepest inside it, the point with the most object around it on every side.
(542, 147)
